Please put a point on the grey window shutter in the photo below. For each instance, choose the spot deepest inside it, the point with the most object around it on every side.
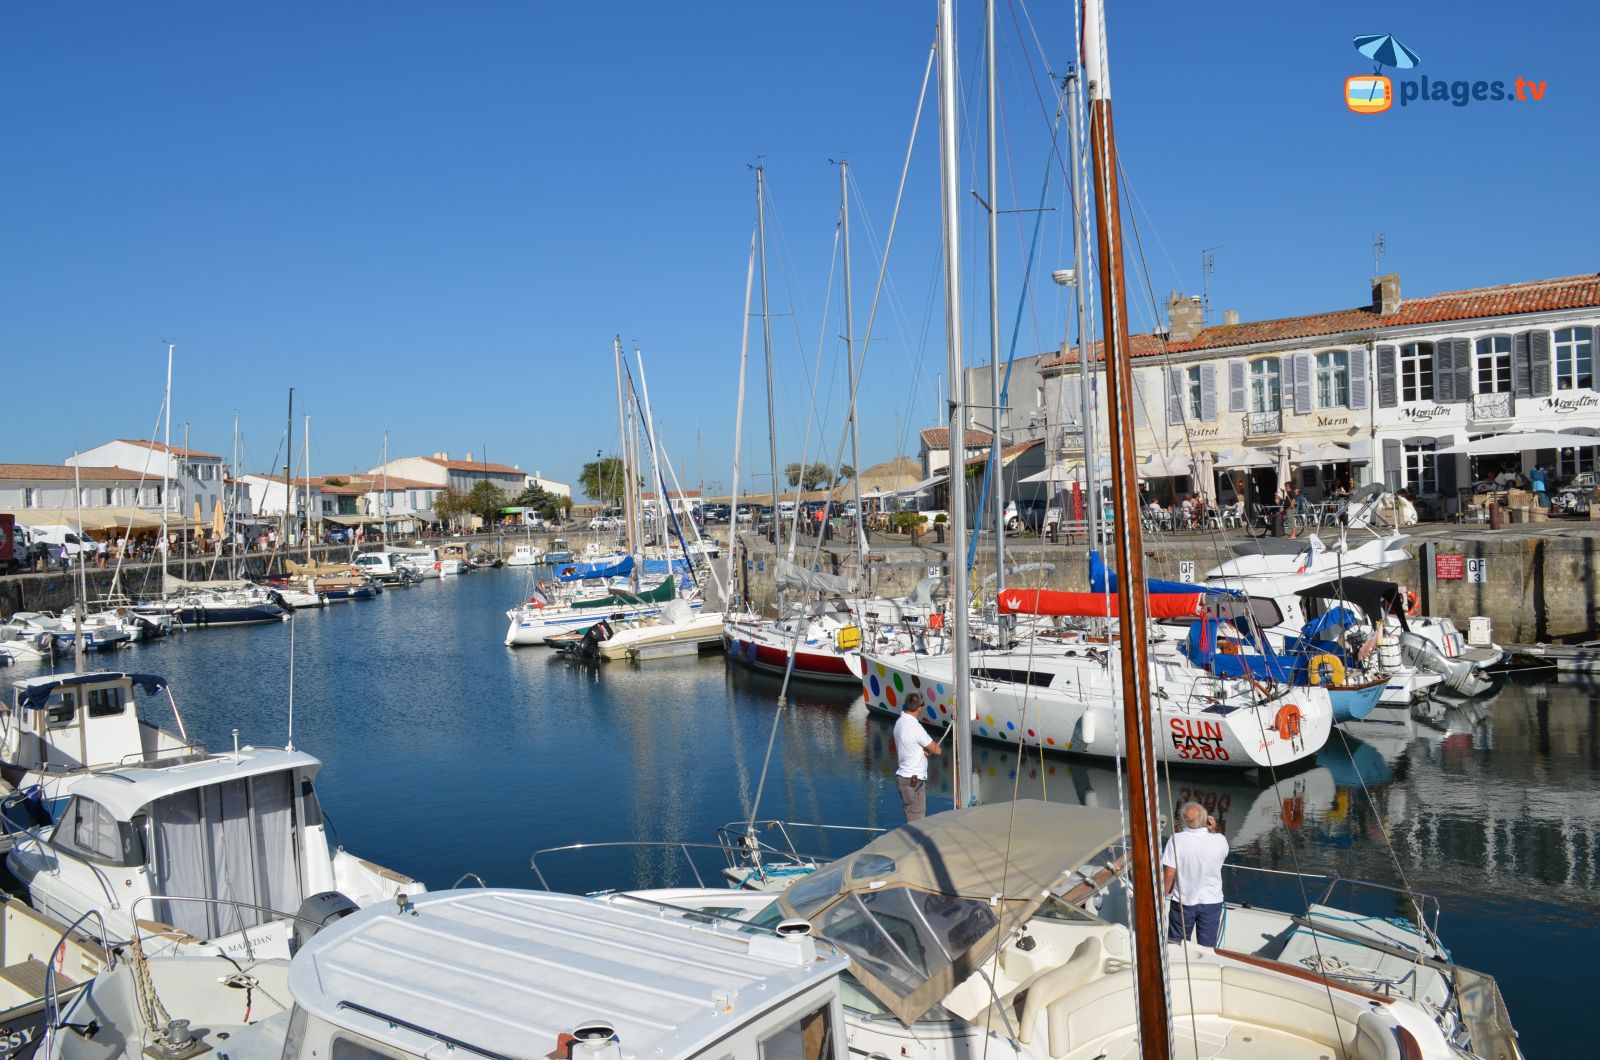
(1394, 464)
(1140, 417)
(1174, 397)
(1357, 360)
(1446, 465)
(1388, 378)
(1208, 392)
(1462, 352)
(1304, 377)
(1072, 400)
(1539, 363)
(1285, 382)
(1237, 392)
(1520, 381)
(1444, 375)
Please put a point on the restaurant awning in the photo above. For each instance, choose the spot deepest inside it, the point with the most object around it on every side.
(1246, 460)
(93, 518)
(1517, 442)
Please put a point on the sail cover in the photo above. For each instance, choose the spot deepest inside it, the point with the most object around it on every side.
(1093, 605)
(578, 572)
(1102, 580)
(793, 576)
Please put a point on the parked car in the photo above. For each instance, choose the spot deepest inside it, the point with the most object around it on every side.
(603, 522)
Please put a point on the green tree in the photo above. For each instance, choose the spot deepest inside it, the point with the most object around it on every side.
(794, 472)
(818, 475)
(548, 505)
(450, 506)
(601, 479)
(485, 501)
(845, 473)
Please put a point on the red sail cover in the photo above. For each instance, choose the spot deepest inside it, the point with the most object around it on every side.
(1093, 605)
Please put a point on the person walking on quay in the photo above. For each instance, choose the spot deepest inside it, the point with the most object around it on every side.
(62, 559)
(1191, 869)
(913, 745)
(1541, 487)
(100, 553)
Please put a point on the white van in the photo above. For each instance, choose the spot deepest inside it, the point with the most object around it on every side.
(57, 535)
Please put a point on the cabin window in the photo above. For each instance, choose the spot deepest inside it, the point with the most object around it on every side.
(808, 1038)
(350, 1049)
(1016, 677)
(106, 702)
(904, 937)
(89, 829)
(63, 707)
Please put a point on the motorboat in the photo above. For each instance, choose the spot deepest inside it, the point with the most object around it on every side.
(422, 558)
(200, 604)
(52, 636)
(525, 556)
(484, 973)
(93, 786)
(386, 568)
(678, 629)
(38, 957)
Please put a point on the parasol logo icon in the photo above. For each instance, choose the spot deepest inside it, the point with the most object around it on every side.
(1368, 93)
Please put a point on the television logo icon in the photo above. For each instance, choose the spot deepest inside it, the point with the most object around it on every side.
(1368, 93)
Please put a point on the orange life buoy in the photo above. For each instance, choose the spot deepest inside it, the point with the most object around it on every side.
(1413, 605)
(1288, 721)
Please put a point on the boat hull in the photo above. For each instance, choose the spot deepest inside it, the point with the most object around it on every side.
(1354, 702)
(812, 661)
(530, 628)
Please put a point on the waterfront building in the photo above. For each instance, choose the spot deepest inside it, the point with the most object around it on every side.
(196, 477)
(52, 494)
(270, 495)
(440, 472)
(1367, 394)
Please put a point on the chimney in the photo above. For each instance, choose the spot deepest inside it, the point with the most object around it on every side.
(469, 456)
(1185, 318)
(1386, 294)
(1230, 317)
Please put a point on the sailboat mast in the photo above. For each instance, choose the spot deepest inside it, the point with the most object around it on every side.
(850, 361)
(166, 470)
(186, 465)
(1080, 238)
(288, 472)
(1132, 599)
(231, 526)
(997, 490)
(308, 491)
(950, 196)
(83, 577)
(735, 564)
(766, 343)
(622, 431)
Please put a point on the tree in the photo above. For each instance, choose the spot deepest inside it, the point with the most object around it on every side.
(602, 479)
(450, 505)
(845, 473)
(818, 476)
(794, 472)
(485, 501)
(548, 505)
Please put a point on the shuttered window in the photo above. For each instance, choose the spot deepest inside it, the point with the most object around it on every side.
(1193, 394)
(1333, 379)
(1575, 359)
(1266, 385)
(1416, 371)
(1422, 468)
(1494, 365)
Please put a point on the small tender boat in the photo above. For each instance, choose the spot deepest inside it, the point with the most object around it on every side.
(525, 556)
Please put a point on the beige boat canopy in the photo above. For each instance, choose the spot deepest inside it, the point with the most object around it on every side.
(921, 908)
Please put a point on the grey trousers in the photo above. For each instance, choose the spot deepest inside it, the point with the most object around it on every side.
(913, 796)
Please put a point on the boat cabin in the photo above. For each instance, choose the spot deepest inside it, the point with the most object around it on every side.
(60, 723)
(499, 973)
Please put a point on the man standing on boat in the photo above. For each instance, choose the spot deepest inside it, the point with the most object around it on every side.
(914, 746)
(1191, 867)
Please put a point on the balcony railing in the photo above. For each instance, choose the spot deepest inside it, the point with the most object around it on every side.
(1492, 406)
(1261, 423)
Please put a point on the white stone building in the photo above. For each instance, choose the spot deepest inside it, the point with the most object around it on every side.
(196, 476)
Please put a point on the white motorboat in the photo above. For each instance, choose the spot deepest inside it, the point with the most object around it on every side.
(525, 556)
(485, 973)
(677, 629)
(297, 598)
(421, 558)
(221, 603)
(93, 786)
(536, 620)
(50, 634)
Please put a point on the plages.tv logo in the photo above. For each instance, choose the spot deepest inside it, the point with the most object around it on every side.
(1375, 93)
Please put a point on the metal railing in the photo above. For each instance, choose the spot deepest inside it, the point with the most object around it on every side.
(1426, 907)
(1497, 406)
(736, 834)
(1263, 423)
(736, 856)
(52, 996)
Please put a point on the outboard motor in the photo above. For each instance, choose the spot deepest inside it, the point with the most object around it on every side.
(317, 912)
(593, 637)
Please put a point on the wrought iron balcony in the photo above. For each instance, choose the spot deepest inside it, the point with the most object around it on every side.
(1492, 406)
(1257, 424)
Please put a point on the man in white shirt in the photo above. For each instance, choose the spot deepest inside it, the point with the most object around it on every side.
(1192, 874)
(914, 746)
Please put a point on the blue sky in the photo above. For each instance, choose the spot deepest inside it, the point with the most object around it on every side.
(433, 218)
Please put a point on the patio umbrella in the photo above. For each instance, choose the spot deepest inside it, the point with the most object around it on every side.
(1516, 442)
(1247, 460)
(1164, 465)
(1283, 466)
(1384, 50)
(1326, 453)
(1205, 475)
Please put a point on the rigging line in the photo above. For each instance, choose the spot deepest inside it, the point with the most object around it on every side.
(811, 408)
(1155, 230)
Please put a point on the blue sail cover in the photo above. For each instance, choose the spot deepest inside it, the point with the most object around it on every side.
(578, 572)
(35, 697)
(1201, 648)
(1102, 580)
(662, 566)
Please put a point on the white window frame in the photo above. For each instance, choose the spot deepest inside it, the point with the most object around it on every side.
(1266, 385)
(1333, 379)
(1193, 394)
(1575, 461)
(1492, 357)
(1574, 358)
(1421, 473)
(1417, 379)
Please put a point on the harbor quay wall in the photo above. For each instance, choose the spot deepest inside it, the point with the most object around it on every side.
(1535, 586)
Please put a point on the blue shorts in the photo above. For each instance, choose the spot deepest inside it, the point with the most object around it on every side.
(1204, 922)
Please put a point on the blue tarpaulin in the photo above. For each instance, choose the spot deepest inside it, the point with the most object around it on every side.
(34, 697)
(1102, 580)
(578, 572)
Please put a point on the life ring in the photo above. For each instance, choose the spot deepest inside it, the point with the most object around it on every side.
(1332, 662)
(1288, 721)
(1413, 605)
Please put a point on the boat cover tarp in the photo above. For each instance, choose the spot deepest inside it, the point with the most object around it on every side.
(1092, 605)
(974, 878)
(662, 566)
(1376, 598)
(667, 590)
(578, 572)
(1102, 580)
(36, 696)
(793, 576)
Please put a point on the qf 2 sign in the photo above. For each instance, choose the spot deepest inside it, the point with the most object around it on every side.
(1186, 571)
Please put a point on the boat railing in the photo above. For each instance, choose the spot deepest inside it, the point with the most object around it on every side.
(738, 836)
(1424, 909)
(733, 858)
(58, 958)
(706, 916)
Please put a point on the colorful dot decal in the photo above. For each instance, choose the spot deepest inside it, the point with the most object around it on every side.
(1010, 726)
(898, 684)
(916, 682)
(889, 695)
(1030, 732)
(873, 683)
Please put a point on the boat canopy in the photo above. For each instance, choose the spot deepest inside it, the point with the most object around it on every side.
(1092, 605)
(1377, 598)
(578, 572)
(35, 695)
(789, 575)
(922, 908)
(1102, 580)
(667, 590)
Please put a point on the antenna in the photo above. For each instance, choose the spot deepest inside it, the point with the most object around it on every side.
(1378, 247)
(289, 743)
(1208, 269)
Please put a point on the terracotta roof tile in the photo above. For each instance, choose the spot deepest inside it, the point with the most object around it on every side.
(939, 437)
(1533, 296)
(475, 465)
(175, 450)
(1007, 453)
(64, 473)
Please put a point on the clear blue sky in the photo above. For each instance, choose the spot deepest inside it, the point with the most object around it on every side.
(434, 217)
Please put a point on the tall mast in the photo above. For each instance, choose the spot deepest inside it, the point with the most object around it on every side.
(999, 472)
(78, 648)
(956, 561)
(308, 491)
(186, 467)
(766, 343)
(622, 431)
(850, 360)
(1080, 238)
(231, 524)
(1132, 600)
(735, 565)
(383, 498)
(166, 470)
(288, 472)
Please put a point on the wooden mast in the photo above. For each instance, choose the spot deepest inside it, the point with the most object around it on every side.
(1154, 1022)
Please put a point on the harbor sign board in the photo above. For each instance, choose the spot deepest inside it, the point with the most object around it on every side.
(1449, 566)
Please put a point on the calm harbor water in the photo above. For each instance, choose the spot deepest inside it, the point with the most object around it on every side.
(446, 753)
